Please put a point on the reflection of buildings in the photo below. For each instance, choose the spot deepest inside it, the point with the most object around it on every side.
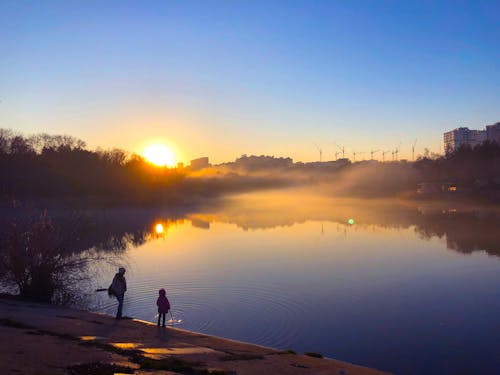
(465, 136)
(200, 163)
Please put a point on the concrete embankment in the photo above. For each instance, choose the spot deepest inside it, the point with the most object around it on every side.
(45, 339)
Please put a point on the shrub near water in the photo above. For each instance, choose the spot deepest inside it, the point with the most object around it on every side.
(36, 258)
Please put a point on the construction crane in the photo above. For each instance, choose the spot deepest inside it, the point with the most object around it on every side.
(383, 155)
(413, 149)
(320, 153)
(342, 149)
(396, 151)
(373, 152)
(336, 155)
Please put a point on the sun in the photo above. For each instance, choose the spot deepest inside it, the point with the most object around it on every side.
(159, 229)
(160, 155)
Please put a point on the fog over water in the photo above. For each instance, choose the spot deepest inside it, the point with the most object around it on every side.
(410, 287)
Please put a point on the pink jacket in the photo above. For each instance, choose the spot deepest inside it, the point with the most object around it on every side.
(162, 302)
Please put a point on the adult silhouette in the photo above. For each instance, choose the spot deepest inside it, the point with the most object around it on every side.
(118, 288)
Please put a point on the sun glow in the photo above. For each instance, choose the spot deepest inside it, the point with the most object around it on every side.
(160, 155)
(159, 228)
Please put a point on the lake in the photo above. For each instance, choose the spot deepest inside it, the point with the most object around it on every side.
(411, 288)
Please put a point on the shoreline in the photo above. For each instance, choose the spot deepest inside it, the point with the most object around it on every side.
(49, 339)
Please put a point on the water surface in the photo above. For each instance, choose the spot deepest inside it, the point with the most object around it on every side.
(410, 288)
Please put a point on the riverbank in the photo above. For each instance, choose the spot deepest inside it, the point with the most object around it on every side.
(47, 339)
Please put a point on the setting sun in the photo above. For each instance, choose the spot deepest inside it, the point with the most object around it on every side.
(160, 155)
(159, 228)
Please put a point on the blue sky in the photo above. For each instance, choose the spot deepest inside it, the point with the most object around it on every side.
(223, 78)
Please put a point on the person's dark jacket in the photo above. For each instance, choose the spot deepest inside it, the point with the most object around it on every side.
(119, 285)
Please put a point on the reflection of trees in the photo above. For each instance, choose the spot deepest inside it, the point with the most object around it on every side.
(464, 232)
(271, 211)
(39, 257)
(47, 258)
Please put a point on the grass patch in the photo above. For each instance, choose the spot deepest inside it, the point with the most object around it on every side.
(34, 330)
(241, 357)
(97, 368)
(314, 354)
(166, 364)
(64, 336)
(283, 352)
(132, 353)
(298, 365)
(67, 317)
(176, 365)
(34, 333)
(169, 364)
(15, 324)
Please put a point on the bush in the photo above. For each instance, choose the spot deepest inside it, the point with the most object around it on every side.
(36, 257)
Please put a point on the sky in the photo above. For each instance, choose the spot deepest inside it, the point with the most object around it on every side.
(226, 78)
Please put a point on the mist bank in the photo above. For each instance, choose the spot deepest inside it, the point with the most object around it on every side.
(45, 167)
(468, 172)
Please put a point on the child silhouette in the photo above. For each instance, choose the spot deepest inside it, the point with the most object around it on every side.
(163, 306)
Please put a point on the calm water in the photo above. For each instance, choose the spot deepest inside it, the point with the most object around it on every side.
(406, 288)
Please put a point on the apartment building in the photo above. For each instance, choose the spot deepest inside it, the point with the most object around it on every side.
(465, 136)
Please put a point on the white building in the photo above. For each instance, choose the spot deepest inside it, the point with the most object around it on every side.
(493, 132)
(463, 136)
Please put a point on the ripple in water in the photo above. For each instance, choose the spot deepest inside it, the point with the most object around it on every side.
(264, 314)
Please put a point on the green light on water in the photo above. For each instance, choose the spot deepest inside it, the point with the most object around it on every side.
(350, 221)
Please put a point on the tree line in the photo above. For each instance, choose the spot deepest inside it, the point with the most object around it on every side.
(61, 166)
(473, 167)
(58, 167)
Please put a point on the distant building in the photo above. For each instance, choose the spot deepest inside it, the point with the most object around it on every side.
(343, 161)
(199, 163)
(262, 162)
(180, 165)
(493, 132)
(463, 136)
